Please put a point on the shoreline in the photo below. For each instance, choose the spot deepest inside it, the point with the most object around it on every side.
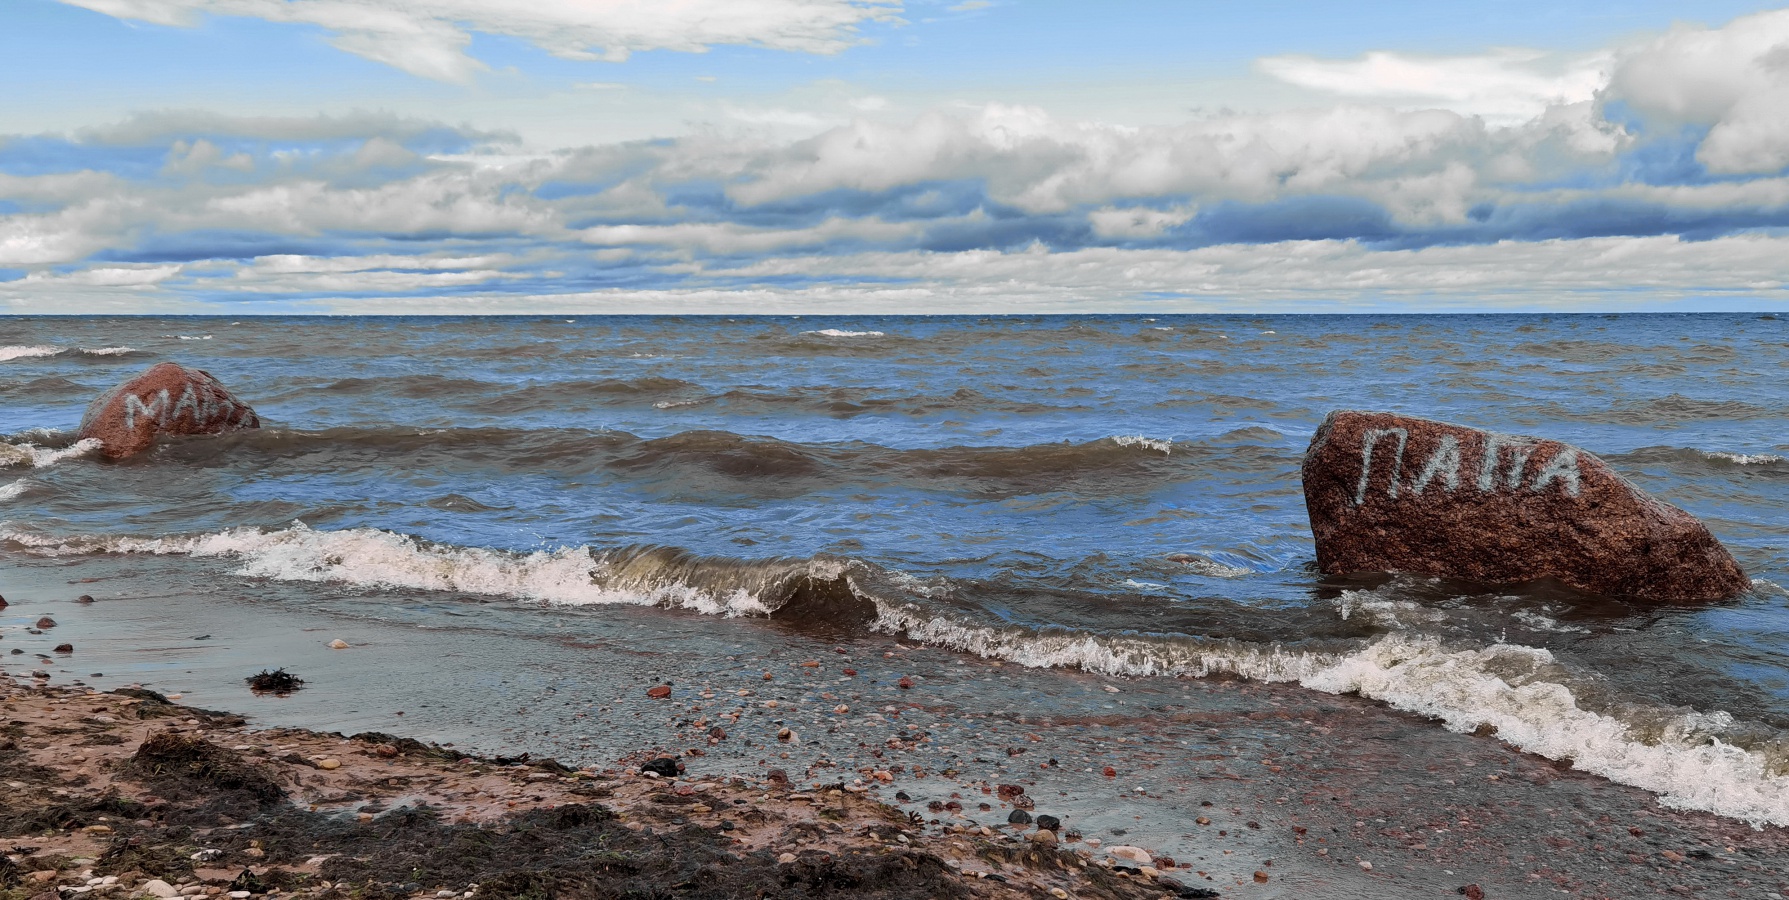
(158, 796)
(1229, 777)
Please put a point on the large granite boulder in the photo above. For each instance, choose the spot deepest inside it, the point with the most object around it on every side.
(167, 399)
(1391, 493)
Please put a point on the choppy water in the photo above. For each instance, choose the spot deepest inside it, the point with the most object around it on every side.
(1116, 493)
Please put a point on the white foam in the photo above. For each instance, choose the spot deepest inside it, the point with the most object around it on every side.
(1540, 622)
(1212, 568)
(1744, 459)
(107, 351)
(1383, 612)
(1517, 689)
(17, 352)
(372, 558)
(35, 457)
(13, 491)
(834, 332)
(1138, 440)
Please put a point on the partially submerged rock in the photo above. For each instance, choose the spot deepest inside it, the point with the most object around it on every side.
(1395, 493)
(167, 399)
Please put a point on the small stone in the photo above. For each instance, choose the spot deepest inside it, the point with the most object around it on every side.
(1042, 836)
(1366, 866)
(841, 709)
(328, 764)
(98, 829)
(785, 735)
(905, 683)
(1110, 772)
(338, 644)
(1049, 823)
(1203, 820)
(786, 858)
(659, 692)
(663, 767)
(65, 648)
(240, 895)
(1137, 855)
(84, 598)
(46, 622)
(1059, 893)
(718, 733)
(1473, 892)
(155, 887)
(1261, 877)
(1019, 817)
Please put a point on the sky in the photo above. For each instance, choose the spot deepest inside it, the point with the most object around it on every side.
(891, 156)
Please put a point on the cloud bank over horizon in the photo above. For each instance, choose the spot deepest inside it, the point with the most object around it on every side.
(1650, 174)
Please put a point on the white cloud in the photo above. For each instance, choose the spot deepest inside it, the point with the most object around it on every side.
(1505, 87)
(1038, 164)
(109, 276)
(729, 238)
(428, 38)
(1734, 79)
(1136, 221)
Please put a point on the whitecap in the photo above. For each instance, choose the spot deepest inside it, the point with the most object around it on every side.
(1138, 440)
(1744, 459)
(22, 352)
(13, 491)
(32, 456)
(835, 332)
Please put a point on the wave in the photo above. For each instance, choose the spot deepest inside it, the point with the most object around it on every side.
(839, 333)
(14, 490)
(7, 353)
(43, 350)
(1693, 461)
(1690, 759)
(726, 461)
(566, 576)
(31, 456)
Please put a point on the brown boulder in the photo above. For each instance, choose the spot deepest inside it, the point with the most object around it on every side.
(1394, 493)
(167, 399)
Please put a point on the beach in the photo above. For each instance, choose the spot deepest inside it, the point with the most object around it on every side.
(1225, 777)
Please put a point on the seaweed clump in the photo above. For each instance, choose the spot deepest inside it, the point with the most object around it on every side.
(278, 681)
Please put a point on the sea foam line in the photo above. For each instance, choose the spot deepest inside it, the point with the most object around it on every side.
(1682, 762)
(835, 332)
(369, 557)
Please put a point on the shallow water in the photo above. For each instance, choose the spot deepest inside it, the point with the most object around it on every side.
(1112, 493)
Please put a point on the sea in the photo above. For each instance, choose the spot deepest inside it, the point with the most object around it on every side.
(1089, 496)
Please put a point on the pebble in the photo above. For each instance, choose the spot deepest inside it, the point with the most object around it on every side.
(1261, 877)
(1137, 855)
(1059, 893)
(1366, 866)
(786, 858)
(338, 644)
(46, 622)
(330, 763)
(659, 692)
(155, 887)
(1043, 836)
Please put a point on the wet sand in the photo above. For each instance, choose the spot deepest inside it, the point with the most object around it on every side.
(1319, 794)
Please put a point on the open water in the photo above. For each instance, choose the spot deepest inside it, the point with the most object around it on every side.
(1112, 493)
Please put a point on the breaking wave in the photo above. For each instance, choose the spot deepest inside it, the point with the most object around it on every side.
(28, 455)
(42, 350)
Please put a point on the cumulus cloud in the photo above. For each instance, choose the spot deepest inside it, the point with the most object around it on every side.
(428, 38)
(1505, 87)
(1734, 80)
